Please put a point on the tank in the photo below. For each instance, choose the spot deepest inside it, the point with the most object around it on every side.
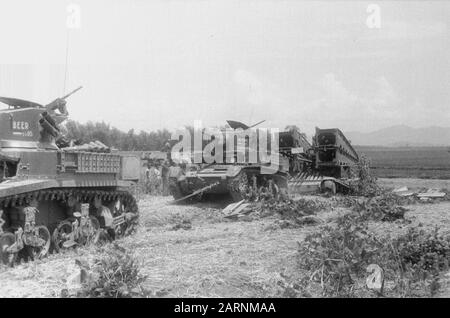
(54, 195)
(240, 180)
(324, 165)
(334, 154)
(332, 160)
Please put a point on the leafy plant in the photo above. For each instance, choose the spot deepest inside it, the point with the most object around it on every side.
(337, 257)
(386, 207)
(366, 184)
(117, 276)
(422, 256)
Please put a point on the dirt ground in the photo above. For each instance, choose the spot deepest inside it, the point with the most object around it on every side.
(212, 256)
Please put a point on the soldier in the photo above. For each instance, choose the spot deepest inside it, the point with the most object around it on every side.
(153, 177)
(165, 168)
(166, 147)
(165, 177)
(157, 180)
(147, 172)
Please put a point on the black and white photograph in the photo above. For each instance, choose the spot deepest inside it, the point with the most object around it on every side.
(224, 155)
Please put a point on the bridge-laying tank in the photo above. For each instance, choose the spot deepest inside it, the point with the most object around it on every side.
(332, 160)
(55, 197)
(334, 155)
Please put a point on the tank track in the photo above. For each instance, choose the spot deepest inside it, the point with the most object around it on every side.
(128, 217)
(62, 194)
(244, 187)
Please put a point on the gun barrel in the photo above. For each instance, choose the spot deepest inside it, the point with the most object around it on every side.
(72, 92)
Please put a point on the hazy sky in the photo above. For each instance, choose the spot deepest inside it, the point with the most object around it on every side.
(153, 64)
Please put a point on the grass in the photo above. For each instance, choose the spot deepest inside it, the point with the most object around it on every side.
(336, 258)
(214, 257)
(413, 162)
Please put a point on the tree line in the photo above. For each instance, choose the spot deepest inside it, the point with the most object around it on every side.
(126, 141)
(116, 138)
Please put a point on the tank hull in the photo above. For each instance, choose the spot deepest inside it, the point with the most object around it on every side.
(56, 183)
(222, 179)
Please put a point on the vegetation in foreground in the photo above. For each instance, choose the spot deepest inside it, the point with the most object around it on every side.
(336, 259)
(115, 273)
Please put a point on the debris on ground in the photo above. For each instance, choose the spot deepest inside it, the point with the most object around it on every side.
(432, 193)
(235, 210)
(423, 196)
(403, 192)
(299, 210)
(184, 225)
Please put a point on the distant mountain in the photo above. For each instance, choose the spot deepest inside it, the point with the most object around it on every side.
(400, 136)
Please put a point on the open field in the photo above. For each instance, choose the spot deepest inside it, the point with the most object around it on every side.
(408, 162)
(215, 257)
(414, 183)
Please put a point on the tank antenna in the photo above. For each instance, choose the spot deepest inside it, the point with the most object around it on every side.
(67, 59)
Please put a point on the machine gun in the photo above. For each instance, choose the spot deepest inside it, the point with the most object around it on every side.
(51, 119)
(60, 103)
(17, 103)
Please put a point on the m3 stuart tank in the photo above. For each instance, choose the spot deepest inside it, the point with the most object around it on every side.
(53, 198)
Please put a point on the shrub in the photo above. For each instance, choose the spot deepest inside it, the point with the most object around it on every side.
(337, 258)
(386, 207)
(117, 276)
(367, 183)
(422, 256)
(292, 208)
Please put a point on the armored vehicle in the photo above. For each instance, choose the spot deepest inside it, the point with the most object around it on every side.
(303, 167)
(241, 179)
(54, 197)
(332, 160)
(334, 155)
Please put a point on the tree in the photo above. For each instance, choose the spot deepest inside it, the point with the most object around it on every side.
(113, 137)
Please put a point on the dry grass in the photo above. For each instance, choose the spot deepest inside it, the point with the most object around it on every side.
(217, 257)
(43, 278)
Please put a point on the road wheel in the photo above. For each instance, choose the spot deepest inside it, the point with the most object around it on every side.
(89, 231)
(38, 252)
(61, 234)
(6, 240)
